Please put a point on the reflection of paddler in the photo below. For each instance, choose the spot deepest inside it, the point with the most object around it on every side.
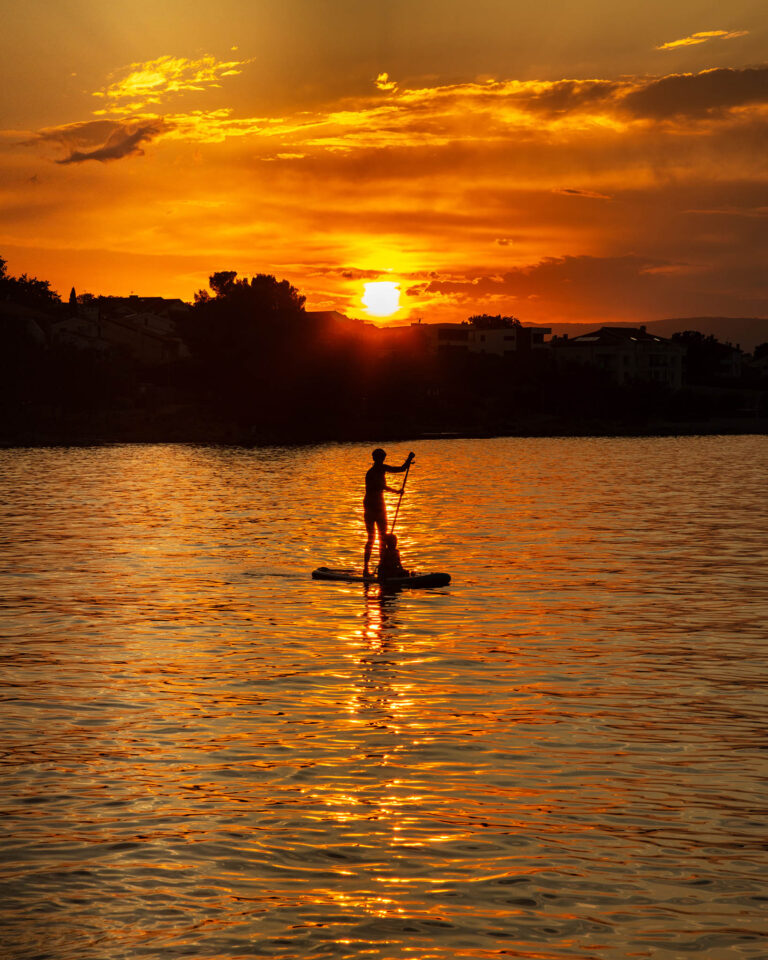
(374, 508)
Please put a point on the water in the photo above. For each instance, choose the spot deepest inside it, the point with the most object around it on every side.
(562, 755)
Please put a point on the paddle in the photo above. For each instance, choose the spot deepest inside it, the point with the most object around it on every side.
(400, 498)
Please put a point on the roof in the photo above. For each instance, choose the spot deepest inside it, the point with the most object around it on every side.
(615, 336)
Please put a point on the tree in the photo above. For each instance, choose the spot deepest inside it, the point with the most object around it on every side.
(26, 290)
(706, 357)
(484, 321)
(262, 293)
(250, 338)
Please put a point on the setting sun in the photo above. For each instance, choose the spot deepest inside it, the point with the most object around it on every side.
(382, 298)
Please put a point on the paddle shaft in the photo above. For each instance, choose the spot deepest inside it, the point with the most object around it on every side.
(400, 498)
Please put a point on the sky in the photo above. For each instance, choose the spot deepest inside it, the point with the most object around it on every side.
(553, 161)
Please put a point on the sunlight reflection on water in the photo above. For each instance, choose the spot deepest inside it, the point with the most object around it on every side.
(561, 755)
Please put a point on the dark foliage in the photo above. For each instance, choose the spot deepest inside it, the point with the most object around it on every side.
(25, 290)
(261, 368)
(484, 321)
(707, 359)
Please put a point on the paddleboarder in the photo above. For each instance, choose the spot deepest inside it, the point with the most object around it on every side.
(374, 508)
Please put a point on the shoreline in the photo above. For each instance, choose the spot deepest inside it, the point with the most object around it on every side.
(223, 436)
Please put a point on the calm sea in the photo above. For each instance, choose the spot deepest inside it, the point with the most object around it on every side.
(207, 754)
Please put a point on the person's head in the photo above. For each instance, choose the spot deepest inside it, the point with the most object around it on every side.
(379, 455)
(390, 541)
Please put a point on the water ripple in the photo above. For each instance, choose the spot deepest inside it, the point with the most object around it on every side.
(561, 755)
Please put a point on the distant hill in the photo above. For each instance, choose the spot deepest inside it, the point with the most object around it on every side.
(747, 332)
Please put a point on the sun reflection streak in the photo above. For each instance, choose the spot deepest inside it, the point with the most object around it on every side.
(381, 708)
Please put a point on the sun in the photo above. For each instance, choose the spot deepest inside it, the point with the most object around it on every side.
(381, 298)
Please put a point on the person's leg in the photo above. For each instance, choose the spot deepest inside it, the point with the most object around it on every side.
(370, 527)
(381, 524)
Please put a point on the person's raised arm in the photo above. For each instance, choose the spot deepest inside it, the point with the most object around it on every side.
(408, 461)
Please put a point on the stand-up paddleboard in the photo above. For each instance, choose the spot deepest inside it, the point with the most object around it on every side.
(353, 576)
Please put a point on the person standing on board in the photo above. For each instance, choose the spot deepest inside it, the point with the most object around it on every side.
(374, 508)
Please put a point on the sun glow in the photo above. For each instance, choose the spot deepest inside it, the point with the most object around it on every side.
(381, 298)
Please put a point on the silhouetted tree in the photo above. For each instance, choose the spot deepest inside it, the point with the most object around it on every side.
(251, 339)
(484, 321)
(27, 290)
(262, 294)
(706, 356)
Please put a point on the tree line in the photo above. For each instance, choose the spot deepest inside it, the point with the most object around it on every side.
(259, 367)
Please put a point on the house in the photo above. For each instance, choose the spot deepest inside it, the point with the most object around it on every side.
(19, 319)
(759, 364)
(627, 353)
(146, 337)
(501, 338)
(142, 327)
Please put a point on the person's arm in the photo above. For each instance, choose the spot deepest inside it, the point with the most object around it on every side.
(408, 461)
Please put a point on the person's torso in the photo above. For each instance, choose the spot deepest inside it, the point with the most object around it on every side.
(375, 481)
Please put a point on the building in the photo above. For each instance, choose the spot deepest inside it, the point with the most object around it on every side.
(146, 337)
(142, 327)
(759, 365)
(501, 339)
(627, 353)
(17, 319)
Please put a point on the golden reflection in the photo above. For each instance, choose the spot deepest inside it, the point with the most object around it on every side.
(380, 700)
(380, 796)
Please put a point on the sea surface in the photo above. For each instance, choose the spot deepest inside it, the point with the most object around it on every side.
(207, 754)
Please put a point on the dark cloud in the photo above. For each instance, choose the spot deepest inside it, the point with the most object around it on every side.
(569, 96)
(554, 277)
(346, 273)
(697, 94)
(627, 288)
(589, 194)
(84, 133)
(124, 141)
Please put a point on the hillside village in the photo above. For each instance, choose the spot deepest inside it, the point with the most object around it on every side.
(140, 367)
(148, 330)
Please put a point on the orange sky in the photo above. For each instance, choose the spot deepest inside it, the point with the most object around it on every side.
(554, 161)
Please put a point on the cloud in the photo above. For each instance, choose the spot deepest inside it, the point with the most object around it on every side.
(490, 115)
(81, 134)
(589, 194)
(749, 212)
(702, 37)
(487, 114)
(561, 199)
(143, 84)
(124, 141)
(346, 273)
(384, 83)
(697, 94)
(592, 288)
